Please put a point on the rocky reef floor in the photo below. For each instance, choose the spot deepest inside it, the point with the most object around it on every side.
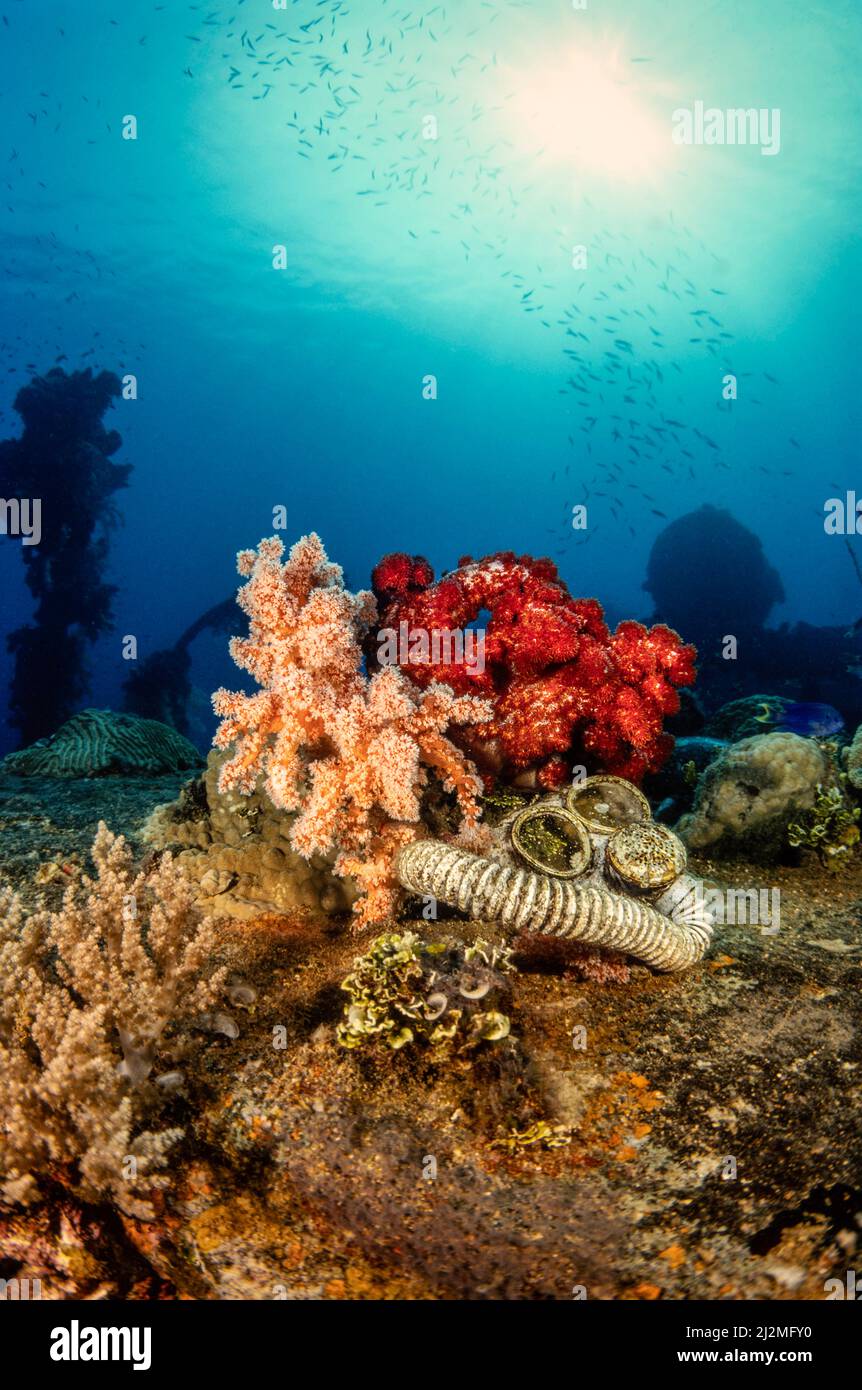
(679, 1137)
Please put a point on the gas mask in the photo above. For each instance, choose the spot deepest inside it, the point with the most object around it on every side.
(589, 865)
(602, 829)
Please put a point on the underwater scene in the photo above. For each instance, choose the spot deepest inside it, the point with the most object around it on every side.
(430, 653)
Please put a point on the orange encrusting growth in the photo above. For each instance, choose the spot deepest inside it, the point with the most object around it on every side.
(350, 755)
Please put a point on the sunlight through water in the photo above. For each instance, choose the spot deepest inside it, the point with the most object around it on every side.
(580, 110)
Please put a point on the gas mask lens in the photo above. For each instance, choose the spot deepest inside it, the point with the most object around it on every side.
(645, 858)
(552, 840)
(607, 804)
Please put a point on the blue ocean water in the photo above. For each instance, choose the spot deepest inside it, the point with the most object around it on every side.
(486, 194)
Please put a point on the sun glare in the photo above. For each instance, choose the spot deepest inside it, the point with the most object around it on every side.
(583, 111)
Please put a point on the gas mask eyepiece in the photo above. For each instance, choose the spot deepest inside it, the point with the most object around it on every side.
(552, 840)
(605, 826)
(605, 804)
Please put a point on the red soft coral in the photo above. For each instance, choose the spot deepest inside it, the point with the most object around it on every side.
(564, 688)
(399, 574)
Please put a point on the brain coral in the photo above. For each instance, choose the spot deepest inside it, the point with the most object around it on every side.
(101, 743)
(747, 796)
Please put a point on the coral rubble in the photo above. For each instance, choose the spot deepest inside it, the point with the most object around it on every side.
(564, 688)
(350, 754)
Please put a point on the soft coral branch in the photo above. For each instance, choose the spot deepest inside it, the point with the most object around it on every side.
(350, 755)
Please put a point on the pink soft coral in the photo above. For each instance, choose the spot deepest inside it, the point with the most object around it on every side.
(348, 754)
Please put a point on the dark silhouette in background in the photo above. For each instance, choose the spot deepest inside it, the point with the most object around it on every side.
(160, 686)
(63, 458)
(707, 573)
(709, 577)
(711, 580)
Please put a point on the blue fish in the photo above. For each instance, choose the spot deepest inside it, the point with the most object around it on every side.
(810, 720)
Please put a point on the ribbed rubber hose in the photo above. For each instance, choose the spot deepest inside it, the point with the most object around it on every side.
(521, 900)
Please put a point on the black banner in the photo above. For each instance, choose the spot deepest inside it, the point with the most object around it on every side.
(62, 1339)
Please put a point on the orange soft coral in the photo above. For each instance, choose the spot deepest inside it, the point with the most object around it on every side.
(349, 755)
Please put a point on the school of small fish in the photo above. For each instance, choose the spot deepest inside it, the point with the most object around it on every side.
(320, 64)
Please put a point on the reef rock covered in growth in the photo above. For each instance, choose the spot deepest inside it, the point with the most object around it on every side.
(237, 849)
(563, 687)
(753, 790)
